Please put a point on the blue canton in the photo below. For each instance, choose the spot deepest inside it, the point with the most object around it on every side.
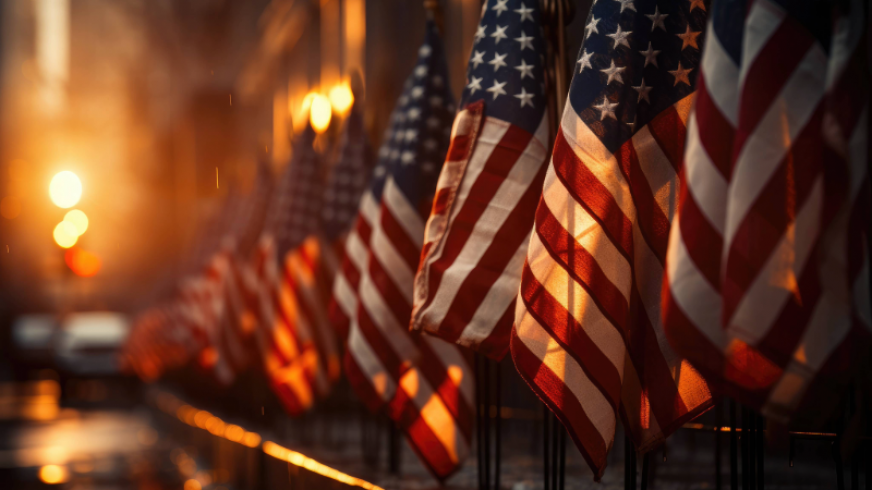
(348, 178)
(638, 58)
(506, 66)
(417, 139)
(295, 207)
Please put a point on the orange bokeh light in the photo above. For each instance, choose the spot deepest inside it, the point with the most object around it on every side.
(83, 263)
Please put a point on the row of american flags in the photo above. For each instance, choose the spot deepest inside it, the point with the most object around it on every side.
(695, 225)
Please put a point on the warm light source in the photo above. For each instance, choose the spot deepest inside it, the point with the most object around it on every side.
(65, 189)
(82, 263)
(53, 474)
(78, 219)
(65, 234)
(341, 98)
(320, 111)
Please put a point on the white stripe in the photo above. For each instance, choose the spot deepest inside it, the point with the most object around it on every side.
(759, 307)
(721, 77)
(435, 414)
(450, 356)
(763, 20)
(392, 262)
(368, 362)
(699, 302)
(659, 173)
(383, 318)
(552, 355)
(573, 297)
(504, 201)
(704, 182)
(772, 138)
(403, 212)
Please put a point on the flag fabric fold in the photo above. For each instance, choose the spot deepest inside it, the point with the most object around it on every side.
(588, 337)
(479, 226)
(425, 384)
(767, 285)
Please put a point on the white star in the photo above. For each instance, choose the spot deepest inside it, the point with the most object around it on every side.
(526, 70)
(424, 50)
(433, 121)
(435, 101)
(650, 55)
(643, 92)
(417, 92)
(480, 33)
(584, 61)
(395, 154)
(384, 151)
(620, 38)
(525, 40)
(380, 171)
(591, 27)
(407, 157)
(626, 4)
(697, 4)
(421, 71)
(500, 34)
(526, 99)
(497, 89)
(474, 85)
(477, 59)
(500, 7)
(607, 109)
(614, 73)
(411, 135)
(437, 81)
(414, 113)
(404, 99)
(430, 144)
(657, 19)
(498, 61)
(681, 75)
(525, 13)
(398, 136)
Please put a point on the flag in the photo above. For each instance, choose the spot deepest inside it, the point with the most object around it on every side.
(296, 342)
(479, 226)
(424, 383)
(347, 182)
(588, 336)
(767, 286)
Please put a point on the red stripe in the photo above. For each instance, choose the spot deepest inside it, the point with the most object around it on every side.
(715, 132)
(769, 72)
(702, 241)
(398, 237)
(773, 211)
(286, 396)
(461, 145)
(422, 438)
(389, 292)
(572, 337)
(504, 157)
(496, 344)
(478, 282)
(362, 385)
(590, 194)
(670, 132)
(552, 390)
(435, 371)
(653, 224)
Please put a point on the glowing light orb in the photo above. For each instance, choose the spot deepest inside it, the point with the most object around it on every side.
(78, 219)
(53, 474)
(65, 234)
(65, 189)
(320, 113)
(341, 98)
(83, 263)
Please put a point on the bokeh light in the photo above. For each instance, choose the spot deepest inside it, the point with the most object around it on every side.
(320, 112)
(79, 219)
(341, 98)
(65, 189)
(82, 262)
(65, 234)
(53, 474)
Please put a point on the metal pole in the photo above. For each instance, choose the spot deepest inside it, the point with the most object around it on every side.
(562, 469)
(719, 415)
(734, 449)
(645, 471)
(555, 451)
(487, 406)
(498, 422)
(546, 433)
(629, 464)
(479, 425)
(761, 446)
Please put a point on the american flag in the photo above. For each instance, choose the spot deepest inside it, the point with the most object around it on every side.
(425, 383)
(347, 182)
(479, 227)
(767, 286)
(296, 343)
(588, 336)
